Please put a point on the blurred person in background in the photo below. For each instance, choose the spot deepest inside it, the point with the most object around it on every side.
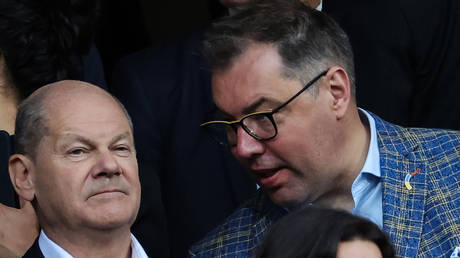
(41, 42)
(167, 90)
(323, 232)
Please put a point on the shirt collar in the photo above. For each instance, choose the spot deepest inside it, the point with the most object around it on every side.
(320, 6)
(372, 163)
(50, 249)
(137, 250)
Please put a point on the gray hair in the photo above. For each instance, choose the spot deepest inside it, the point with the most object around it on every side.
(308, 41)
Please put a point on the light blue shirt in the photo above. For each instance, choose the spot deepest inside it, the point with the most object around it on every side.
(367, 187)
(50, 249)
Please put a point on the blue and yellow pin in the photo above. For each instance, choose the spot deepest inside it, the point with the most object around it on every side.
(408, 177)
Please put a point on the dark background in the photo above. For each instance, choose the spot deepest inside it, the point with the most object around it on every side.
(129, 26)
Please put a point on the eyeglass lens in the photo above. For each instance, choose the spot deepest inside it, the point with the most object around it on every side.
(259, 126)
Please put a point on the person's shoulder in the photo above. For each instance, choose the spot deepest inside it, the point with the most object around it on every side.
(438, 142)
(433, 141)
(230, 234)
(438, 149)
(238, 235)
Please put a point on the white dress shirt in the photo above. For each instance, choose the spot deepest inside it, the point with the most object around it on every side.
(50, 249)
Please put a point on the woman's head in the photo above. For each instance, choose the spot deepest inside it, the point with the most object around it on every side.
(323, 232)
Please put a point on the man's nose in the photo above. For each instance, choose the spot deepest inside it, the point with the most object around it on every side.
(246, 146)
(106, 166)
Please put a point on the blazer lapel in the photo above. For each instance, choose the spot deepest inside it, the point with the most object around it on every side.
(403, 208)
(34, 251)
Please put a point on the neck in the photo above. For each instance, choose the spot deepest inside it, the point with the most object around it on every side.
(8, 110)
(94, 243)
(353, 156)
(358, 147)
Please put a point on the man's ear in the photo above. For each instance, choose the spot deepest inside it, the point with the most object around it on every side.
(20, 168)
(339, 87)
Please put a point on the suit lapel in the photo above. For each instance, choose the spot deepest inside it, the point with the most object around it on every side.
(403, 209)
(34, 251)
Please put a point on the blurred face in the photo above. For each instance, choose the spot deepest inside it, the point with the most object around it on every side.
(298, 164)
(85, 173)
(358, 249)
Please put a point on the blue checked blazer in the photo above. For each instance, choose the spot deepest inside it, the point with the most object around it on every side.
(421, 222)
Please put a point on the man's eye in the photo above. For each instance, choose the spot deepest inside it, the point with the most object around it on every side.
(259, 117)
(76, 152)
(122, 148)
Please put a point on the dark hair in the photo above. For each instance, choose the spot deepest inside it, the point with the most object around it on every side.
(317, 231)
(307, 40)
(42, 40)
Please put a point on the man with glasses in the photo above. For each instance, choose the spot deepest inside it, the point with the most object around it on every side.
(283, 80)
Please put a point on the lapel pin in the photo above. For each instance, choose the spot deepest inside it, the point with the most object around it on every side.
(408, 177)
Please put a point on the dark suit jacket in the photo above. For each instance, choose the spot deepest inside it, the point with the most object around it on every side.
(166, 89)
(7, 194)
(34, 251)
(407, 58)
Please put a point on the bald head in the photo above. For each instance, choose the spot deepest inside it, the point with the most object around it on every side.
(63, 98)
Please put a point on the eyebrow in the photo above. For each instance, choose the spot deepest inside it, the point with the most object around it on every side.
(254, 106)
(70, 137)
(251, 108)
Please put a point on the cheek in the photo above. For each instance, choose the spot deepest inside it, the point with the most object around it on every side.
(57, 194)
(67, 180)
(242, 161)
(302, 145)
(293, 141)
(131, 174)
(130, 168)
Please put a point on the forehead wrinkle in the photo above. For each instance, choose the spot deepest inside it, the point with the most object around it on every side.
(69, 138)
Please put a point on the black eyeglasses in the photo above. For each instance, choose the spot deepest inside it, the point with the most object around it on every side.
(260, 125)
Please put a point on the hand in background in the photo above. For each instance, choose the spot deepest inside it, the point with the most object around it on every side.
(18, 229)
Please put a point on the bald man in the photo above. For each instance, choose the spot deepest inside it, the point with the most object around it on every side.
(76, 163)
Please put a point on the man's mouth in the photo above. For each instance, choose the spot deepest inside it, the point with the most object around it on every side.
(107, 193)
(268, 178)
